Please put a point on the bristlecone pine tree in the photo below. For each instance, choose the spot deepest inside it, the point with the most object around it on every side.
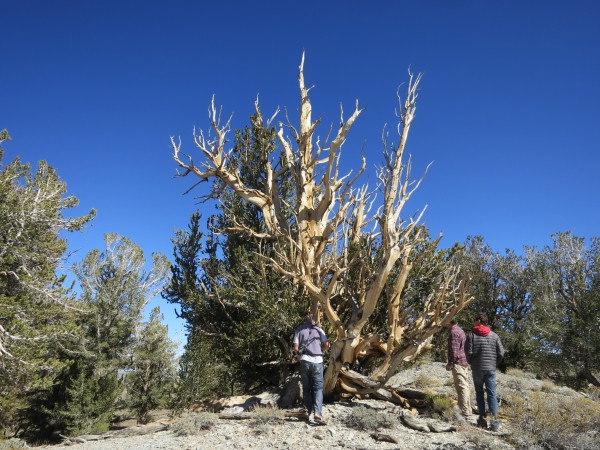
(348, 259)
(38, 333)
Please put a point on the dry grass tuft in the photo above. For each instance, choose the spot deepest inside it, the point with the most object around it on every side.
(555, 422)
(193, 423)
(12, 443)
(515, 373)
(483, 442)
(266, 415)
(548, 386)
(439, 405)
(423, 381)
(593, 392)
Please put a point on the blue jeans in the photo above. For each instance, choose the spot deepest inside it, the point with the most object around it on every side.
(311, 375)
(487, 379)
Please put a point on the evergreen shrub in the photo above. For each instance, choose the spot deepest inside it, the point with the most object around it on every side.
(368, 419)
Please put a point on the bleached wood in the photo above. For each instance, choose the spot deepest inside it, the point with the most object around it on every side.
(331, 212)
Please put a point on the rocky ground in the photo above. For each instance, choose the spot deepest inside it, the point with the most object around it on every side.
(295, 433)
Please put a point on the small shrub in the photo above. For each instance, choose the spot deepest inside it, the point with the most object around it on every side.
(585, 413)
(515, 373)
(548, 386)
(12, 443)
(367, 419)
(555, 422)
(516, 384)
(482, 441)
(264, 416)
(192, 423)
(439, 405)
(423, 381)
(423, 359)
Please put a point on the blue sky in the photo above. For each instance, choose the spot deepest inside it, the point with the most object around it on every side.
(507, 111)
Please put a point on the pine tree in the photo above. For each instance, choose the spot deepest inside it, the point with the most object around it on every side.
(115, 289)
(152, 376)
(39, 336)
(501, 286)
(239, 312)
(326, 212)
(566, 307)
(202, 372)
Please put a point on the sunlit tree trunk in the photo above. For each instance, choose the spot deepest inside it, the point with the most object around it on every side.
(328, 215)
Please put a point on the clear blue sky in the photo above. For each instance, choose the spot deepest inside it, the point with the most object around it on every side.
(508, 108)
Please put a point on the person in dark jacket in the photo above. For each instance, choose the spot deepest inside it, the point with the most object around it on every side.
(484, 352)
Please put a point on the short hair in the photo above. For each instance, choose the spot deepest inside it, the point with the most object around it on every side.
(482, 317)
(453, 321)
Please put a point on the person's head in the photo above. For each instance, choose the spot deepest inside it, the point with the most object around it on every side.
(452, 322)
(310, 319)
(481, 318)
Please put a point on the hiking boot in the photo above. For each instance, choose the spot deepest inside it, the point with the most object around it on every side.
(481, 422)
(319, 419)
(495, 425)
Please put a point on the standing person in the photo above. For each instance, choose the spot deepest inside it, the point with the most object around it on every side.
(457, 363)
(309, 342)
(484, 353)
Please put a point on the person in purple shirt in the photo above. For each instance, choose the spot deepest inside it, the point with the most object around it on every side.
(309, 343)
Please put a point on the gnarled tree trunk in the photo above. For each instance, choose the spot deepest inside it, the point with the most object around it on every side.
(330, 218)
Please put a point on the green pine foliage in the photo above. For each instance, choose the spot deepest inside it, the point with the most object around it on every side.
(240, 313)
(115, 288)
(151, 380)
(500, 284)
(62, 358)
(545, 304)
(201, 373)
(39, 336)
(84, 401)
(565, 299)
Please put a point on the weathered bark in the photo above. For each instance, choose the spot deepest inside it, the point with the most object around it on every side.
(414, 423)
(291, 391)
(589, 376)
(329, 213)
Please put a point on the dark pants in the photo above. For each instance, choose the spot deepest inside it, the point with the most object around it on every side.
(485, 384)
